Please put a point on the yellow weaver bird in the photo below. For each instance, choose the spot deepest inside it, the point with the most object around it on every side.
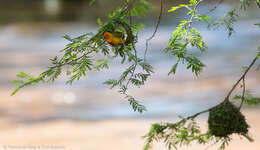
(115, 38)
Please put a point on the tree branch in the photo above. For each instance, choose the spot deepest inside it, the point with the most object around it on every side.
(227, 97)
(243, 94)
(129, 5)
(241, 78)
(156, 28)
(194, 8)
(215, 7)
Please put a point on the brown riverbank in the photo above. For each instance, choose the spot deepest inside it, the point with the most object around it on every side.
(100, 135)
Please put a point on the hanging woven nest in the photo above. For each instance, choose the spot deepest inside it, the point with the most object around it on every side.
(226, 119)
(119, 34)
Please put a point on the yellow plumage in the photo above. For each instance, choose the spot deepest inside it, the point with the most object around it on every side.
(116, 38)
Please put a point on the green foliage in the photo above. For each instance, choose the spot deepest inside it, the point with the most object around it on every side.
(244, 4)
(178, 7)
(249, 99)
(91, 52)
(176, 135)
(224, 120)
(142, 7)
(258, 55)
(136, 106)
(227, 21)
(203, 18)
(258, 24)
(135, 78)
(184, 36)
(258, 48)
(25, 80)
(257, 3)
(78, 55)
(99, 22)
(189, 6)
(91, 2)
(183, 133)
(136, 27)
(193, 2)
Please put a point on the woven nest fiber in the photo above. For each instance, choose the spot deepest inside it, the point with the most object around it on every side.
(226, 119)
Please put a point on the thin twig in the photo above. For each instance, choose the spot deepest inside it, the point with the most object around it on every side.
(227, 97)
(199, 113)
(193, 14)
(130, 5)
(241, 78)
(243, 93)
(70, 62)
(215, 7)
(135, 65)
(156, 28)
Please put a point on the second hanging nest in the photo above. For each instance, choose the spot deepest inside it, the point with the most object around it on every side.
(226, 119)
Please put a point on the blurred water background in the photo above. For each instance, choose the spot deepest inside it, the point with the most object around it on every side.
(31, 33)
